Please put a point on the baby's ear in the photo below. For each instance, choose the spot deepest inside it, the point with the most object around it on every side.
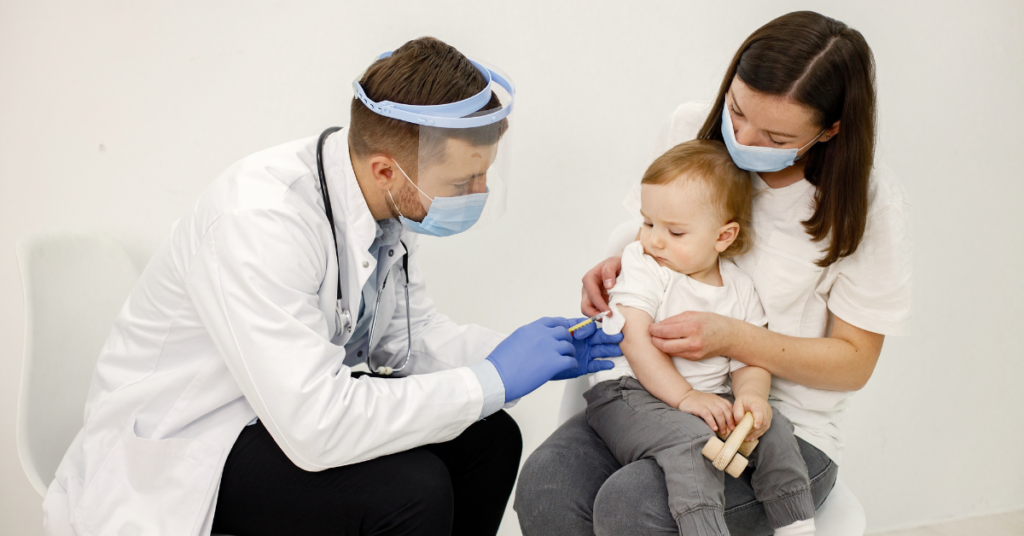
(727, 234)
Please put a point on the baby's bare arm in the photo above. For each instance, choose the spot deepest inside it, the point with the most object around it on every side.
(659, 376)
(652, 367)
(750, 386)
(754, 381)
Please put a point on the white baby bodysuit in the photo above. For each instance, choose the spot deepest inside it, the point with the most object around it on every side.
(660, 292)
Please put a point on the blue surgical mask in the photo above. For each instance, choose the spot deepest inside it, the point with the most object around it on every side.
(446, 215)
(759, 159)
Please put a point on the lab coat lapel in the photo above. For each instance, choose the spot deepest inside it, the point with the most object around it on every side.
(355, 227)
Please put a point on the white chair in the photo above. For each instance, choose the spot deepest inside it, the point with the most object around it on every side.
(840, 515)
(75, 284)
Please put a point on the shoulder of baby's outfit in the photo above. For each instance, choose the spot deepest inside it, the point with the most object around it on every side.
(634, 260)
(733, 275)
(744, 292)
(686, 121)
(634, 255)
(727, 265)
(633, 250)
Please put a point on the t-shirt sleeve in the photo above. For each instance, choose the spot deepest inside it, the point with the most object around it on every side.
(641, 284)
(684, 123)
(753, 312)
(873, 287)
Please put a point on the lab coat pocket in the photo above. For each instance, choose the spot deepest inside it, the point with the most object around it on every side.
(785, 279)
(148, 487)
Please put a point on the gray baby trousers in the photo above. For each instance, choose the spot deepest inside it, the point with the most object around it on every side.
(635, 425)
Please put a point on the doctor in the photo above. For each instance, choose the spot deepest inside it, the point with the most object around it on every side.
(224, 399)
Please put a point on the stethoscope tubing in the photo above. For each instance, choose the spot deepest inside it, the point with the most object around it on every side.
(329, 212)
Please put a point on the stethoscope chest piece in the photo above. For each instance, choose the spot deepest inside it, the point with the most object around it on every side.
(344, 318)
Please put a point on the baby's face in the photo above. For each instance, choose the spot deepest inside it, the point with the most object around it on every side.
(681, 228)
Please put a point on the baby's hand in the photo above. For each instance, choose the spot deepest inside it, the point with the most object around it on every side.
(715, 410)
(759, 408)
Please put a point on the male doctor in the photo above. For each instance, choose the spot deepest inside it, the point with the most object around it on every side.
(224, 398)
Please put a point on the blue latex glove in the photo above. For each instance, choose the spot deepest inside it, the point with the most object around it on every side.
(591, 343)
(532, 354)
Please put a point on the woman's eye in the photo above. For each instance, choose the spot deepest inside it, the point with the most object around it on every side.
(771, 139)
(735, 111)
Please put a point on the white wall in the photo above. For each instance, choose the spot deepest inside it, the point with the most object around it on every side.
(115, 115)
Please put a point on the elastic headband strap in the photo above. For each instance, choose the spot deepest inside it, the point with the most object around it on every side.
(450, 115)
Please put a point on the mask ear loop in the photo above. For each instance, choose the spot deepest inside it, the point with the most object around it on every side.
(418, 188)
(808, 144)
(393, 197)
(395, 204)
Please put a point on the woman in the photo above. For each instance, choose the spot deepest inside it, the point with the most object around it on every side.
(831, 264)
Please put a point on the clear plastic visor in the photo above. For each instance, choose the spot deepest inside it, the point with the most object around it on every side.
(469, 163)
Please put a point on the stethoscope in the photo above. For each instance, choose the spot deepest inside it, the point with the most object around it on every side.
(382, 370)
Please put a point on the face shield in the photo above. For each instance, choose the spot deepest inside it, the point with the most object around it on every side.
(461, 172)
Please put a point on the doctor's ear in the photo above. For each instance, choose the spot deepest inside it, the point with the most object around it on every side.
(383, 171)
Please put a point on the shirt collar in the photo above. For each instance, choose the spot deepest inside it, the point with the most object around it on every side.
(389, 232)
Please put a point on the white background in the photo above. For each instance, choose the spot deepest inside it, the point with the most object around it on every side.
(115, 115)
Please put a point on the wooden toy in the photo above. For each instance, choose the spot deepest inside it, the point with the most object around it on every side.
(730, 456)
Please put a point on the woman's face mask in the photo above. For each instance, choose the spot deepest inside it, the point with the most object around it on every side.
(758, 159)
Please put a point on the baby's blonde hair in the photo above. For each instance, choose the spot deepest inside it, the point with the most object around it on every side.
(728, 186)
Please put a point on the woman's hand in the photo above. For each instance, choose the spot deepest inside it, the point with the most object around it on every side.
(596, 284)
(693, 335)
(715, 410)
(759, 408)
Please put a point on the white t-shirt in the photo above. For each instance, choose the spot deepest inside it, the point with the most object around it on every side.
(869, 289)
(661, 292)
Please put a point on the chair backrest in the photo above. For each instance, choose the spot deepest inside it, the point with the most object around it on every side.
(75, 284)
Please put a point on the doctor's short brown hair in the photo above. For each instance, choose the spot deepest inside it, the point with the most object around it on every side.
(728, 187)
(424, 71)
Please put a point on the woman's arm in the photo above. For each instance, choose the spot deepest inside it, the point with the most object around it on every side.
(601, 278)
(844, 361)
(659, 376)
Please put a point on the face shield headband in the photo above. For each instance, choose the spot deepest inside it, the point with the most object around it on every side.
(451, 115)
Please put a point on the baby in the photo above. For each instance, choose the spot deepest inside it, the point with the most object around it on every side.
(696, 208)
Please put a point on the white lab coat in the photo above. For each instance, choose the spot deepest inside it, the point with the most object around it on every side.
(234, 318)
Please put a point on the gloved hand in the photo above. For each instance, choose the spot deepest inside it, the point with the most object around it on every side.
(532, 354)
(591, 343)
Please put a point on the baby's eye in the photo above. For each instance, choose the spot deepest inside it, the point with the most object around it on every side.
(648, 224)
(676, 234)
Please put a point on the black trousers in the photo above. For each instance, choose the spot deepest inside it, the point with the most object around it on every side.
(459, 487)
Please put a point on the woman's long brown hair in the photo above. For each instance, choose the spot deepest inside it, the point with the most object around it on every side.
(827, 66)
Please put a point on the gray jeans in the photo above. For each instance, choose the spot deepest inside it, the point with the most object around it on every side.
(636, 425)
(573, 485)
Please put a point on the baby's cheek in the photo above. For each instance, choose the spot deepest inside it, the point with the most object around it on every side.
(683, 255)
